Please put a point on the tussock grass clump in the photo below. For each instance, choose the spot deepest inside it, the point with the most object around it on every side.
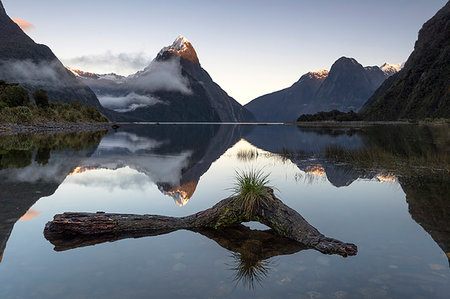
(252, 188)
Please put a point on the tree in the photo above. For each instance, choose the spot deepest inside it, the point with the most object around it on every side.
(41, 98)
(15, 95)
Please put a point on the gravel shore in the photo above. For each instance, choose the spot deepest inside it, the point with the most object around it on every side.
(52, 128)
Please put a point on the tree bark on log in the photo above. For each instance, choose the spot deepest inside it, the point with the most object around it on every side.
(227, 213)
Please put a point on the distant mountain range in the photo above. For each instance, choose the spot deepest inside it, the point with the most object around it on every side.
(347, 86)
(422, 88)
(174, 87)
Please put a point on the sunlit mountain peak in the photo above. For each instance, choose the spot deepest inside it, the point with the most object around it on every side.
(320, 74)
(180, 47)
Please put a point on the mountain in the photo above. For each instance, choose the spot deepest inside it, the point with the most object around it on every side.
(174, 87)
(285, 104)
(345, 87)
(35, 66)
(422, 88)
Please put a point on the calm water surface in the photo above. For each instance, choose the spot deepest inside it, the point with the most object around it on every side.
(386, 189)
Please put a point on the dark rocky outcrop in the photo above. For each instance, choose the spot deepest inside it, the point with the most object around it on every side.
(422, 88)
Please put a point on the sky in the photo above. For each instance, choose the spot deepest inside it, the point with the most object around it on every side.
(250, 48)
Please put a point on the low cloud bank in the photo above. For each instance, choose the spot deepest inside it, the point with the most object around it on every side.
(162, 75)
(127, 103)
(26, 71)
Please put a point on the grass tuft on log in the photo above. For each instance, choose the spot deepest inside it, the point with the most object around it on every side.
(253, 189)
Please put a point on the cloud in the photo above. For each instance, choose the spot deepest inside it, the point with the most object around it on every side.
(24, 25)
(108, 62)
(27, 71)
(127, 103)
(162, 75)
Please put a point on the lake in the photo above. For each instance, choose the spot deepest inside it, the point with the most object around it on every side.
(384, 188)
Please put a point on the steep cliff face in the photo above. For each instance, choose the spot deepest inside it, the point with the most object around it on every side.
(422, 88)
(347, 86)
(35, 66)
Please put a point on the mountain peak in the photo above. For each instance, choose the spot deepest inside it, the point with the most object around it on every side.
(180, 47)
(180, 43)
(390, 69)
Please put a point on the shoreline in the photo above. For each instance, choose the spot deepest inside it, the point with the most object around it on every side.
(50, 128)
(64, 127)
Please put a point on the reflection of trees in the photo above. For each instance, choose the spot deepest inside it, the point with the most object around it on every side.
(17, 151)
(16, 156)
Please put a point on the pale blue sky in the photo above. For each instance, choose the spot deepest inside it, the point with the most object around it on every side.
(249, 47)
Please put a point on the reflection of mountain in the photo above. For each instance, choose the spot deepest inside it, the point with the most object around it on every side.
(173, 157)
(25, 176)
(428, 202)
(417, 157)
(304, 147)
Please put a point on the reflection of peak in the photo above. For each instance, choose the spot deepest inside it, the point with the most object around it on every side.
(316, 170)
(386, 177)
(180, 47)
(181, 194)
(81, 169)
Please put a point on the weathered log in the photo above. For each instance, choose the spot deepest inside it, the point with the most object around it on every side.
(100, 226)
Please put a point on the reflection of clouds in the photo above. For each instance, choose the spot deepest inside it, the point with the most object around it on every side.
(59, 165)
(127, 149)
(164, 169)
(30, 214)
(123, 178)
(128, 141)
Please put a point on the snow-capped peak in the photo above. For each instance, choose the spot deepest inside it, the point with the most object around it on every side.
(181, 47)
(390, 69)
(179, 43)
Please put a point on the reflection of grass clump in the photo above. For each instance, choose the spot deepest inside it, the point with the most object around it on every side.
(252, 188)
(249, 270)
(247, 155)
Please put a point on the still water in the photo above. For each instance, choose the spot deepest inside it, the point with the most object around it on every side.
(386, 189)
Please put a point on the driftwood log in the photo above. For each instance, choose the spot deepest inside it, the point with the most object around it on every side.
(71, 230)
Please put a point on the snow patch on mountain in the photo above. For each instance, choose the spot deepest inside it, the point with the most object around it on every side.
(390, 69)
(319, 75)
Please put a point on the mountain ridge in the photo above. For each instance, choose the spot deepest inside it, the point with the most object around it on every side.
(345, 87)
